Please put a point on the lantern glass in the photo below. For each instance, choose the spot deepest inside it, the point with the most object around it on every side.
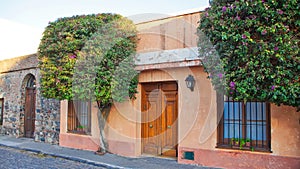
(190, 82)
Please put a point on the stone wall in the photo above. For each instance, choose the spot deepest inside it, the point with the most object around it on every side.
(47, 123)
(14, 74)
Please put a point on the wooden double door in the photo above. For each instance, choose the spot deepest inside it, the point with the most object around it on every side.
(29, 118)
(159, 118)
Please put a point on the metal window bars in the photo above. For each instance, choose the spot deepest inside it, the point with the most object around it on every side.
(244, 125)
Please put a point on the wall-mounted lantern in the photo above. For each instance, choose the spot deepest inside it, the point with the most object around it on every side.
(190, 82)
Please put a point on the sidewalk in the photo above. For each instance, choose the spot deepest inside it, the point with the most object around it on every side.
(89, 157)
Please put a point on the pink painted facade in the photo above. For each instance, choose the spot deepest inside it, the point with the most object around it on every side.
(167, 52)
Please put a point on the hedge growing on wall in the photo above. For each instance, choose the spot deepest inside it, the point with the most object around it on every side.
(79, 56)
(256, 47)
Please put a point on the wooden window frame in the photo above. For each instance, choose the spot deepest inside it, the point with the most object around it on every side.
(255, 145)
(73, 123)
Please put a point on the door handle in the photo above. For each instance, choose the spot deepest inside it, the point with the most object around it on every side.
(169, 127)
(151, 126)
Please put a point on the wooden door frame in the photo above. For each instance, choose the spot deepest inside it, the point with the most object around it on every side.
(1, 110)
(141, 108)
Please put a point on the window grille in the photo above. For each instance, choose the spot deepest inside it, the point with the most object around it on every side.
(243, 125)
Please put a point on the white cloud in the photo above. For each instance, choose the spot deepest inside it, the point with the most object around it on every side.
(18, 39)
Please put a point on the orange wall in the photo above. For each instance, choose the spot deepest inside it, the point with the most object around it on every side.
(86, 142)
(123, 127)
(197, 119)
(169, 33)
(285, 127)
(198, 126)
(201, 137)
(285, 131)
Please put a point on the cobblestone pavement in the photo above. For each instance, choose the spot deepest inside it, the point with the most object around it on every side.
(18, 159)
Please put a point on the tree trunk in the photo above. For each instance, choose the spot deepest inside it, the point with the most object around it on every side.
(102, 114)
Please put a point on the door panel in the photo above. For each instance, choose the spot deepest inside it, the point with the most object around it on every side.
(151, 107)
(159, 115)
(29, 112)
(169, 142)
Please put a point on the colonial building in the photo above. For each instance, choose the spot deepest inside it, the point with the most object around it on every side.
(23, 111)
(177, 113)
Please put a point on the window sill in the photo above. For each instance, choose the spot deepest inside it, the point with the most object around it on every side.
(246, 149)
(79, 132)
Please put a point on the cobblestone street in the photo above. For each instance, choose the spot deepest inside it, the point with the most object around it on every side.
(16, 159)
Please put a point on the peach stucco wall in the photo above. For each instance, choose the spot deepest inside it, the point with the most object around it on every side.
(123, 130)
(123, 126)
(285, 128)
(197, 126)
(169, 33)
(285, 131)
(120, 130)
(201, 138)
(86, 142)
(202, 133)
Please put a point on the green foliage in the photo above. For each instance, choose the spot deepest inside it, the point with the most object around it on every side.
(80, 58)
(80, 127)
(253, 49)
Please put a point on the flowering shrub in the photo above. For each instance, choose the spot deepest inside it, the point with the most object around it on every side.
(80, 57)
(89, 58)
(255, 46)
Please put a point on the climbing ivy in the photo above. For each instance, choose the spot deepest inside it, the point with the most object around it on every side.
(80, 55)
(254, 49)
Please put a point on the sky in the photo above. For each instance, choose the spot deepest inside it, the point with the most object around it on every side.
(22, 22)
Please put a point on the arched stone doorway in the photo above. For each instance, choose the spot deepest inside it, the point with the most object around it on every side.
(29, 98)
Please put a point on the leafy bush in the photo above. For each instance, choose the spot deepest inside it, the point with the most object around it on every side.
(254, 51)
(82, 56)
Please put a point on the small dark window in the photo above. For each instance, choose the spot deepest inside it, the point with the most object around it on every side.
(188, 155)
(31, 81)
(243, 125)
(79, 117)
(1, 110)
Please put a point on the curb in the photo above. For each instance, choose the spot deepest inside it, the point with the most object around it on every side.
(76, 159)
